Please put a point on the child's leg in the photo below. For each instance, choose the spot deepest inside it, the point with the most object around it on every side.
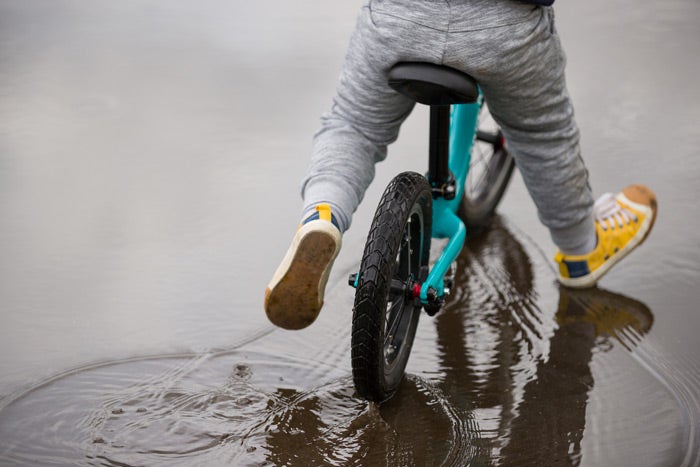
(366, 114)
(365, 117)
(521, 69)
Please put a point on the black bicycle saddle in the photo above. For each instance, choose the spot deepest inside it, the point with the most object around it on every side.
(432, 84)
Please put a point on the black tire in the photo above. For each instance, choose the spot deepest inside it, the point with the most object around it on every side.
(385, 315)
(490, 171)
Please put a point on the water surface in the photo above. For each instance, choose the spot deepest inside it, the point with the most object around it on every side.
(150, 155)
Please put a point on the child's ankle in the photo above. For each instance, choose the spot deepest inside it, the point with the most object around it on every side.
(585, 248)
(323, 211)
(577, 240)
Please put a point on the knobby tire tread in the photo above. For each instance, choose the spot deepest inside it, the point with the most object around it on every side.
(377, 267)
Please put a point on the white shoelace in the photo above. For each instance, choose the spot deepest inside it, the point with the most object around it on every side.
(606, 208)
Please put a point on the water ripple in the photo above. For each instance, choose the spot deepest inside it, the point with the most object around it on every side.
(514, 371)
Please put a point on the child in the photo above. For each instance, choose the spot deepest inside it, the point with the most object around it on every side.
(512, 49)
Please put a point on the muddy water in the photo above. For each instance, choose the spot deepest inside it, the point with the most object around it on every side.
(150, 154)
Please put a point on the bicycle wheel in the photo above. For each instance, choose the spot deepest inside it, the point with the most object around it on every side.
(490, 170)
(386, 312)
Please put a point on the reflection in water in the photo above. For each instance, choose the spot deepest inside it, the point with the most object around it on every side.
(132, 135)
(552, 413)
(419, 428)
(226, 410)
(513, 386)
(531, 400)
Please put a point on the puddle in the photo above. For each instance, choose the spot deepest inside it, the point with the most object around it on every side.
(515, 371)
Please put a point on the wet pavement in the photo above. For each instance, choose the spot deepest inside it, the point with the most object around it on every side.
(150, 156)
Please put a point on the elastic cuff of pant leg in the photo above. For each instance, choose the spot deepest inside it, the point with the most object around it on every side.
(338, 218)
(338, 214)
(341, 204)
(577, 239)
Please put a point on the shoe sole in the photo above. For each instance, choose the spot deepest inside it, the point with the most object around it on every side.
(592, 279)
(294, 297)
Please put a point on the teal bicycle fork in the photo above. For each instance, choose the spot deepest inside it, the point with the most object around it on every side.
(396, 279)
(452, 134)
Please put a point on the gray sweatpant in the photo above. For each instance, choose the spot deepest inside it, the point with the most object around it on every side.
(512, 50)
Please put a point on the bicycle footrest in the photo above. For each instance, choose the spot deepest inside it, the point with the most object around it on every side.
(434, 302)
(432, 308)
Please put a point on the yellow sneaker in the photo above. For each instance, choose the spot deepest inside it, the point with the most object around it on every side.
(622, 222)
(294, 296)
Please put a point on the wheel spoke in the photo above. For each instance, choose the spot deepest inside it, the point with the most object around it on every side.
(394, 316)
(404, 266)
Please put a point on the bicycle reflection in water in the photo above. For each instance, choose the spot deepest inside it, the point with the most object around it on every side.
(504, 379)
(514, 379)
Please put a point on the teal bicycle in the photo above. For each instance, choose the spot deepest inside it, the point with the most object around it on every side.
(469, 169)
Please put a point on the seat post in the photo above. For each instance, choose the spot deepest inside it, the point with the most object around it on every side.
(439, 174)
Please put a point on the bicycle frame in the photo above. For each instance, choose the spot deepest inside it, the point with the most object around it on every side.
(446, 223)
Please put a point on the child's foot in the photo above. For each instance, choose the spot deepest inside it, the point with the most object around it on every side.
(294, 296)
(622, 222)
